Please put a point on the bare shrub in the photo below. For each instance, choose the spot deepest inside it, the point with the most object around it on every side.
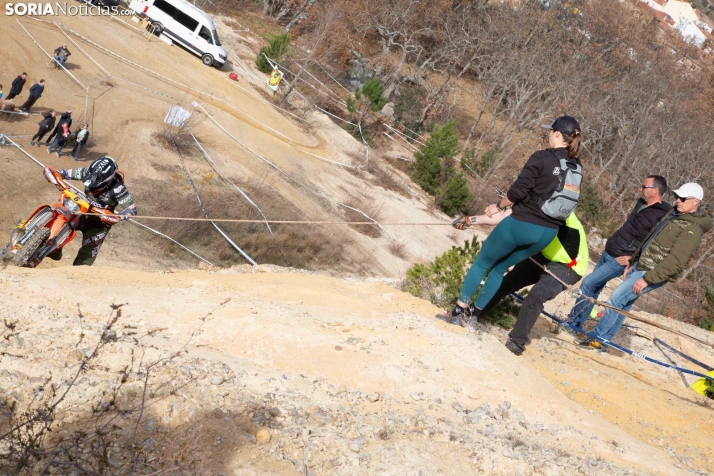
(398, 249)
(387, 179)
(67, 428)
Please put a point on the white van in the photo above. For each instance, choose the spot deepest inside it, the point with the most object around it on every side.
(187, 25)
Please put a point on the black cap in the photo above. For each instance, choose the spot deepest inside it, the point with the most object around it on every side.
(566, 125)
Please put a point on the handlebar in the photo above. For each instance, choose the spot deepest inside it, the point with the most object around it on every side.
(106, 216)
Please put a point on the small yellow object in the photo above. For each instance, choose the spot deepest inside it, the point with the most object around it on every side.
(702, 386)
(275, 78)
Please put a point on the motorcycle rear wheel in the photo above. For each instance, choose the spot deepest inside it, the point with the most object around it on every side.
(20, 259)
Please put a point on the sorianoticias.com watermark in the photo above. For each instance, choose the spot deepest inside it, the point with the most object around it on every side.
(57, 9)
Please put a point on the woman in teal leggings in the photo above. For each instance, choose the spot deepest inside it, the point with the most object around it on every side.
(528, 230)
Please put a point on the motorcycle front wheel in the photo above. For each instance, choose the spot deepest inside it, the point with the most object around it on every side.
(27, 251)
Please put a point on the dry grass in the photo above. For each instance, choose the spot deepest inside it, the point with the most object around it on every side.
(379, 174)
(371, 209)
(294, 245)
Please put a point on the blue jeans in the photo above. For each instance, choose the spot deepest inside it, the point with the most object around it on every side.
(509, 243)
(55, 143)
(607, 268)
(623, 298)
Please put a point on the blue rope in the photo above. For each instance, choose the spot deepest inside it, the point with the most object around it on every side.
(618, 347)
(691, 359)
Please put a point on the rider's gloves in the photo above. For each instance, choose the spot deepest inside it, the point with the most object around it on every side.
(462, 223)
(110, 219)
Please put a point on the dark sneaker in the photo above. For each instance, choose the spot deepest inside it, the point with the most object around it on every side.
(461, 316)
(513, 347)
(567, 330)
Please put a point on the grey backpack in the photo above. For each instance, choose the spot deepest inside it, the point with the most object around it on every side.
(566, 194)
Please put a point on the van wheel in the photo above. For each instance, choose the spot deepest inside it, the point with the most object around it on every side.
(158, 28)
(207, 59)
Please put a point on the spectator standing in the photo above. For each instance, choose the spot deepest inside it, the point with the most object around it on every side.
(35, 93)
(80, 140)
(60, 141)
(661, 257)
(17, 85)
(46, 125)
(648, 211)
(65, 118)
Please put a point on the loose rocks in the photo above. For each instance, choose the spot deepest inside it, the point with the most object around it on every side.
(263, 436)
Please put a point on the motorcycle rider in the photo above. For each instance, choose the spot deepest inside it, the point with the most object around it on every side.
(104, 187)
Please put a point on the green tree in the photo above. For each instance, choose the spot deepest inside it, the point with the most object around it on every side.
(434, 171)
(438, 150)
(368, 99)
(454, 194)
(278, 47)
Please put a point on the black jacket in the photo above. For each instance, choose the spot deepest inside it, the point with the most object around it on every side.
(64, 119)
(541, 174)
(17, 85)
(36, 90)
(628, 237)
(48, 122)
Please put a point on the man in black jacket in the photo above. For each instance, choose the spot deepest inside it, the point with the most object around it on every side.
(35, 93)
(622, 244)
(17, 85)
(46, 125)
(65, 118)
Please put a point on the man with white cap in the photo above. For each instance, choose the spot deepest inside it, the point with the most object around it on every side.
(661, 257)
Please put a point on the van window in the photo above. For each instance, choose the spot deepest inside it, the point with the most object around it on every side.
(186, 20)
(165, 7)
(215, 38)
(205, 33)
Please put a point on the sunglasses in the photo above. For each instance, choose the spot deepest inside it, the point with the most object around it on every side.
(648, 186)
(682, 199)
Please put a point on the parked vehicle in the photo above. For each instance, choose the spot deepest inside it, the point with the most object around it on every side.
(50, 227)
(106, 3)
(185, 24)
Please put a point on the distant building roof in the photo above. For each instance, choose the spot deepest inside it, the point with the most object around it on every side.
(662, 17)
(677, 10)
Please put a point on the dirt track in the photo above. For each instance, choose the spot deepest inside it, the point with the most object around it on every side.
(126, 110)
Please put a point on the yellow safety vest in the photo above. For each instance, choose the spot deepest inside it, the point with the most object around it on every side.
(556, 253)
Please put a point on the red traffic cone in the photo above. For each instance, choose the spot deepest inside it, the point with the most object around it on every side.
(233, 76)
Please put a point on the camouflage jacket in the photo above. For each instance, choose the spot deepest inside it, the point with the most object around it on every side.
(670, 245)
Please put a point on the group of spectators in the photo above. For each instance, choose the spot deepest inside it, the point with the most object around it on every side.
(61, 132)
(651, 248)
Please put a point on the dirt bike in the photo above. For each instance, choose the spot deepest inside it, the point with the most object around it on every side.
(50, 227)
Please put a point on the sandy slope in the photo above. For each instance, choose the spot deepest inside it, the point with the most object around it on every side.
(315, 343)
